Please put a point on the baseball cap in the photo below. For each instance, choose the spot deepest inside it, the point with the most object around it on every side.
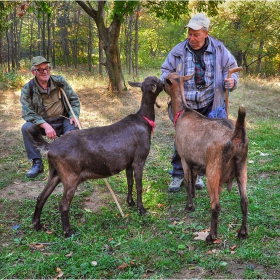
(198, 21)
(37, 60)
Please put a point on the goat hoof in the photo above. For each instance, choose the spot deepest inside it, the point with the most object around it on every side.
(37, 226)
(142, 211)
(68, 233)
(242, 235)
(190, 208)
(131, 203)
(209, 239)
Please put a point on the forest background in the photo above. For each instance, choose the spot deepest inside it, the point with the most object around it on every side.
(109, 37)
(100, 44)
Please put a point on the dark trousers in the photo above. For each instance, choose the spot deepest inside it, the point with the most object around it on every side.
(177, 170)
(31, 150)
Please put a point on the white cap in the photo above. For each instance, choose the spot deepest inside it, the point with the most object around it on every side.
(198, 21)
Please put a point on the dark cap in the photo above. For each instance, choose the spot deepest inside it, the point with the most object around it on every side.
(37, 60)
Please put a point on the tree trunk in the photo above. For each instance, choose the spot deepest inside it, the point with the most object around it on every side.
(129, 44)
(101, 58)
(109, 41)
(136, 40)
(49, 47)
(90, 40)
(260, 54)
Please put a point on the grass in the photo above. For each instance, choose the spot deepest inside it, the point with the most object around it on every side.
(158, 245)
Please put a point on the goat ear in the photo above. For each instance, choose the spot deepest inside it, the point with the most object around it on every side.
(168, 81)
(153, 88)
(135, 84)
(186, 78)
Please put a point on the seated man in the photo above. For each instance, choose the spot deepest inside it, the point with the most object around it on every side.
(45, 106)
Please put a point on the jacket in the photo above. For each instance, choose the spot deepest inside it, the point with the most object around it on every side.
(223, 59)
(32, 103)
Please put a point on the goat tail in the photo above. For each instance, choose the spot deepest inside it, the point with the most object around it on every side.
(241, 117)
(239, 133)
(38, 139)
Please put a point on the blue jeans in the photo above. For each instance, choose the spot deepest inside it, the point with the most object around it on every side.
(31, 150)
(177, 170)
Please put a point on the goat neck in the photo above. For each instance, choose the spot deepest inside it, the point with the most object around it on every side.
(151, 87)
(174, 87)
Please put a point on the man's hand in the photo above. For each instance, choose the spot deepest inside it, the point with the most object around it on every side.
(73, 120)
(50, 132)
(229, 83)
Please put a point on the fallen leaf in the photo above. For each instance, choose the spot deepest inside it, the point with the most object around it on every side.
(160, 205)
(69, 255)
(233, 247)
(49, 231)
(201, 235)
(60, 273)
(122, 266)
(36, 246)
(16, 183)
(217, 241)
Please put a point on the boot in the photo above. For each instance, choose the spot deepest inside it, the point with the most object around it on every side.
(36, 168)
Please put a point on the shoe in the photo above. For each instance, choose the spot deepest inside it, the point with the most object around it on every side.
(199, 183)
(36, 168)
(175, 184)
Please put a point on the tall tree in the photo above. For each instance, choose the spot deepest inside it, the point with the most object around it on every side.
(109, 36)
(253, 37)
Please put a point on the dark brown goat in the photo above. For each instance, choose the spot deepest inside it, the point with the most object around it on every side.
(100, 152)
(214, 147)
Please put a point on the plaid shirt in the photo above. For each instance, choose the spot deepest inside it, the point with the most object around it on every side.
(199, 96)
(217, 60)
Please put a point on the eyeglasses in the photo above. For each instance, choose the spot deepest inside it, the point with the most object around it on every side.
(41, 70)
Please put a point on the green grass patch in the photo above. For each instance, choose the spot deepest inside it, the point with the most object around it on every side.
(158, 245)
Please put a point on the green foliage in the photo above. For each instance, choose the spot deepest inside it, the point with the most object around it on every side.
(123, 8)
(173, 10)
(11, 79)
(253, 37)
(159, 245)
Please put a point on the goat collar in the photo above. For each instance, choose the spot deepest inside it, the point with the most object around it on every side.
(151, 123)
(178, 114)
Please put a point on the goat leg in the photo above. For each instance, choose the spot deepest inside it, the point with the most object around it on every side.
(241, 181)
(189, 187)
(53, 181)
(129, 179)
(214, 224)
(64, 206)
(194, 178)
(138, 173)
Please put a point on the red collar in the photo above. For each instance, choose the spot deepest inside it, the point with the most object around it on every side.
(178, 114)
(151, 123)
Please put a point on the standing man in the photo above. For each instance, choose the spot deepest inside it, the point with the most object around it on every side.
(44, 105)
(210, 60)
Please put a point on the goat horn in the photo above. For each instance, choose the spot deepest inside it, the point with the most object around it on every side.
(186, 78)
(182, 80)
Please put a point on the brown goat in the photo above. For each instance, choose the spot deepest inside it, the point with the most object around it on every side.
(99, 152)
(214, 147)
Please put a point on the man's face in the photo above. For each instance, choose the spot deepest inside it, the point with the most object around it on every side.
(197, 38)
(42, 72)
